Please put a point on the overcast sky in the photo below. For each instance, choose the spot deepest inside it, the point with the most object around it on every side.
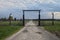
(16, 6)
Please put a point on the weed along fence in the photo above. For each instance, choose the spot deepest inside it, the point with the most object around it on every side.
(13, 23)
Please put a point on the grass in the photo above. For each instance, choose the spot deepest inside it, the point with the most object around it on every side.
(52, 28)
(55, 29)
(6, 31)
(12, 23)
(48, 25)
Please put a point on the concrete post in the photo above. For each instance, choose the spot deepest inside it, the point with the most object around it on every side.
(52, 18)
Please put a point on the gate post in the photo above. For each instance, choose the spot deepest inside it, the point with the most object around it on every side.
(39, 18)
(52, 18)
(23, 19)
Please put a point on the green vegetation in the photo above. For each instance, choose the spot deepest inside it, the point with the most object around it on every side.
(6, 31)
(46, 23)
(54, 28)
(12, 23)
(9, 26)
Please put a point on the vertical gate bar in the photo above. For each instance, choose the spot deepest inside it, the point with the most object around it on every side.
(23, 19)
(39, 19)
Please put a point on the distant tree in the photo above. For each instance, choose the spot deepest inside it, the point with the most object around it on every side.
(10, 18)
(3, 19)
(14, 19)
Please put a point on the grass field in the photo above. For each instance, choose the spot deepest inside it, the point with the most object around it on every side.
(52, 28)
(7, 30)
(47, 23)
(12, 23)
(55, 29)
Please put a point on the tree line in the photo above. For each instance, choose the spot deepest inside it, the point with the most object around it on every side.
(9, 18)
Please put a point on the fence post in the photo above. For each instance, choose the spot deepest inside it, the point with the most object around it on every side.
(52, 18)
(10, 18)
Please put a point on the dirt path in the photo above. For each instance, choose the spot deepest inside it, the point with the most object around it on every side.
(32, 32)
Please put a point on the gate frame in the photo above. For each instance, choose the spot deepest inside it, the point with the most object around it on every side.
(31, 10)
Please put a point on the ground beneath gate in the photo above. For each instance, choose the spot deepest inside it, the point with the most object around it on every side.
(33, 32)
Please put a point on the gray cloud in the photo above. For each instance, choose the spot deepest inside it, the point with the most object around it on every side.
(16, 6)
